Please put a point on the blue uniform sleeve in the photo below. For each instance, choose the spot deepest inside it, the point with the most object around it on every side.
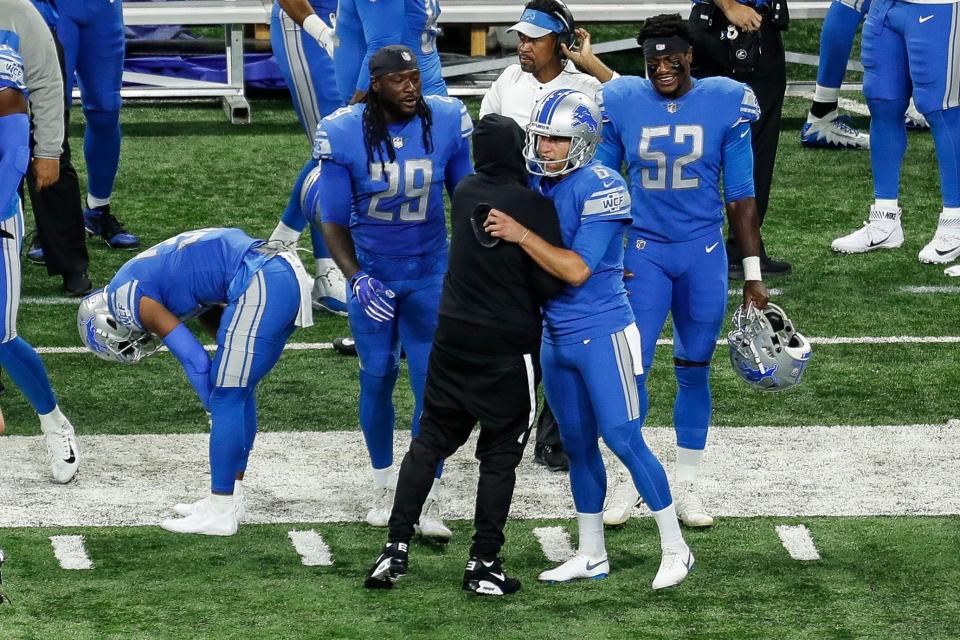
(749, 107)
(14, 154)
(123, 300)
(610, 151)
(337, 189)
(460, 165)
(383, 22)
(592, 241)
(608, 197)
(737, 162)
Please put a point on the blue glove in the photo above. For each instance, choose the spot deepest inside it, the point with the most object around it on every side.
(375, 299)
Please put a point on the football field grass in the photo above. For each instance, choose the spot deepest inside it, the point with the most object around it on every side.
(886, 334)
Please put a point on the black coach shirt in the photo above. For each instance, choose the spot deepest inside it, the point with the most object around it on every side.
(492, 295)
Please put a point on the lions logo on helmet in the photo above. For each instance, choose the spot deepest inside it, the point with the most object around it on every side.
(563, 113)
(109, 339)
(766, 350)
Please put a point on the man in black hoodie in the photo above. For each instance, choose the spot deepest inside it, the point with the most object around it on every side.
(484, 363)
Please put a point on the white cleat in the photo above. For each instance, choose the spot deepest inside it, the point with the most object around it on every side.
(207, 520)
(579, 567)
(189, 508)
(881, 231)
(330, 292)
(945, 246)
(914, 119)
(675, 564)
(62, 452)
(690, 509)
(379, 514)
(621, 504)
(431, 523)
(832, 131)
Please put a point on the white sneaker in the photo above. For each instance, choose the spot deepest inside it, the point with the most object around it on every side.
(206, 520)
(621, 503)
(675, 564)
(379, 514)
(62, 452)
(914, 119)
(690, 509)
(576, 568)
(431, 523)
(832, 131)
(330, 292)
(945, 246)
(190, 508)
(881, 231)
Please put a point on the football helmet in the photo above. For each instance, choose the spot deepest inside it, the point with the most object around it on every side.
(563, 113)
(107, 338)
(765, 348)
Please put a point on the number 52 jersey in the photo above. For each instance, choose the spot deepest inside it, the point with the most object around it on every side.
(676, 150)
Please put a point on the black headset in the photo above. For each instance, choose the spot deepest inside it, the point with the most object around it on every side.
(567, 36)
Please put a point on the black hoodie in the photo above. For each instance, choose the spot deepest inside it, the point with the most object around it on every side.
(492, 296)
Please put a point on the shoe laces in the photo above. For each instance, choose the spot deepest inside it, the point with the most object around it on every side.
(948, 229)
(61, 440)
(841, 125)
(690, 502)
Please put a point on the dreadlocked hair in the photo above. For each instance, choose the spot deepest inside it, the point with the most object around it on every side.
(377, 137)
(664, 26)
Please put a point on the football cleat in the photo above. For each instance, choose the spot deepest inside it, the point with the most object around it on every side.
(690, 509)
(100, 222)
(379, 513)
(832, 131)
(881, 231)
(345, 346)
(945, 245)
(62, 452)
(207, 520)
(330, 292)
(915, 120)
(431, 523)
(576, 568)
(621, 504)
(189, 508)
(487, 578)
(675, 564)
(389, 566)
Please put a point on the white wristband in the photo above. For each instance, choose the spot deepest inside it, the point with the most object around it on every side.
(751, 268)
(315, 26)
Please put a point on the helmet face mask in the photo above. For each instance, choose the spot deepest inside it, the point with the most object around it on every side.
(766, 351)
(563, 113)
(107, 338)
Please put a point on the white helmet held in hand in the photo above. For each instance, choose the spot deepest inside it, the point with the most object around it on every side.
(765, 349)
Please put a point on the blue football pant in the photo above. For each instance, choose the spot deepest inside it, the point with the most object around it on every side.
(836, 39)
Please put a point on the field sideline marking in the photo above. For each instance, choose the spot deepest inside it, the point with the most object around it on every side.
(313, 550)
(71, 553)
(555, 542)
(931, 289)
(797, 541)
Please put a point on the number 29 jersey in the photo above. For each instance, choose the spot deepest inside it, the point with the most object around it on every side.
(674, 150)
(397, 208)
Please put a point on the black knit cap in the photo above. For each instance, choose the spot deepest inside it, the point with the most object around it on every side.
(391, 59)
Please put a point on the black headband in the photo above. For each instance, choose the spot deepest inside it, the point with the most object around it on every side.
(392, 59)
(653, 47)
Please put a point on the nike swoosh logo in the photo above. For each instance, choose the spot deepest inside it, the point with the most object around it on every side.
(688, 561)
(873, 244)
(744, 134)
(609, 183)
(591, 567)
(500, 576)
(943, 253)
(712, 247)
(73, 456)
(925, 18)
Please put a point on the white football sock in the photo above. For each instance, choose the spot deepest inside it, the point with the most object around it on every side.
(950, 213)
(688, 464)
(669, 527)
(434, 490)
(382, 477)
(238, 487)
(590, 527)
(285, 234)
(826, 94)
(323, 264)
(886, 205)
(52, 420)
(93, 203)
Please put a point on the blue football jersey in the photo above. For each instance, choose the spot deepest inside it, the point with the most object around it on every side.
(592, 194)
(673, 150)
(397, 207)
(186, 274)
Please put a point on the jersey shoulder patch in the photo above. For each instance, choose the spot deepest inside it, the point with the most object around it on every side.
(332, 137)
(608, 194)
(123, 301)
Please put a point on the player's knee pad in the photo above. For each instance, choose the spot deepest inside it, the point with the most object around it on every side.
(380, 363)
(377, 385)
(691, 374)
(888, 111)
(691, 412)
(102, 119)
(625, 440)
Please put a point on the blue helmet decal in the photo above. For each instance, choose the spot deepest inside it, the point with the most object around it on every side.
(755, 375)
(582, 115)
(91, 333)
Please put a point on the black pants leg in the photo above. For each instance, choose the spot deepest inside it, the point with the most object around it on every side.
(57, 210)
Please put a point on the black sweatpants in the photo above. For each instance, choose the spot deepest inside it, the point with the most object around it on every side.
(462, 389)
(768, 81)
(57, 209)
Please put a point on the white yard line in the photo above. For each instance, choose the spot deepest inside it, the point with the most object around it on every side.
(70, 552)
(797, 541)
(555, 542)
(931, 289)
(311, 477)
(313, 550)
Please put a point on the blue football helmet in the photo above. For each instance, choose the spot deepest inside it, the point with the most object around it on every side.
(107, 338)
(765, 348)
(563, 113)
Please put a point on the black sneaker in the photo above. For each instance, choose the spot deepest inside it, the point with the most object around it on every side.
(553, 458)
(345, 346)
(487, 578)
(100, 222)
(76, 285)
(390, 565)
(770, 268)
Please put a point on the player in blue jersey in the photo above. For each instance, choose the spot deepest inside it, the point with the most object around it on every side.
(911, 48)
(94, 47)
(590, 353)
(17, 356)
(678, 136)
(250, 295)
(365, 26)
(379, 193)
(303, 44)
(825, 127)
